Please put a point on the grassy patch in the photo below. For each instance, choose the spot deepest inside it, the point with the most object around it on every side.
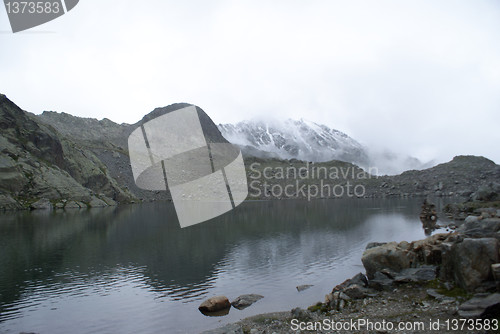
(456, 292)
(318, 307)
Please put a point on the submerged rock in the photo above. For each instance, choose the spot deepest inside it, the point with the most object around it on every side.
(303, 287)
(245, 301)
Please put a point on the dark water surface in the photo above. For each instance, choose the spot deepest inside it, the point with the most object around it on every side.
(131, 269)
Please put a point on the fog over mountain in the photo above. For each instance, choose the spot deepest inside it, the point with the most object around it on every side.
(309, 141)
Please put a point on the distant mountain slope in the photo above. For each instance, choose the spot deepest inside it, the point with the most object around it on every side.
(309, 141)
(464, 177)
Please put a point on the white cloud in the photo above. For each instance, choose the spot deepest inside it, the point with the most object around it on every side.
(420, 77)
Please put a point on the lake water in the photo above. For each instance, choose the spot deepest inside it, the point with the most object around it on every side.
(131, 269)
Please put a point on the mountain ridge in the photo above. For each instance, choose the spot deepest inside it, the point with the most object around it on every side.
(310, 141)
(66, 161)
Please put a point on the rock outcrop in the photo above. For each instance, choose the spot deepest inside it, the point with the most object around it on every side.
(40, 169)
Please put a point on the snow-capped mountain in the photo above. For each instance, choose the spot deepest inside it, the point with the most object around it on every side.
(302, 140)
(309, 141)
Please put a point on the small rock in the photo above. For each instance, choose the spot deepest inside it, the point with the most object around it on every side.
(303, 287)
(245, 301)
(343, 296)
(214, 304)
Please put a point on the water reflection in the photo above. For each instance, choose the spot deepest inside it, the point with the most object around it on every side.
(132, 266)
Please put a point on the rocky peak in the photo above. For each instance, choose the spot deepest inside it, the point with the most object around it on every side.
(19, 128)
(212, 133)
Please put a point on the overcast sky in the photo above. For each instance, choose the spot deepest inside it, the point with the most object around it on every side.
(419, 77)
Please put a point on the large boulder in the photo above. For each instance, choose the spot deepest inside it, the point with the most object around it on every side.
(214, 304)
(469, 262)
(387, 256)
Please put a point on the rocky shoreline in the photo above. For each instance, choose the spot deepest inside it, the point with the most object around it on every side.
(446, 283)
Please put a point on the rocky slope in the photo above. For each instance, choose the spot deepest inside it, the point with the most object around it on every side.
(70, 161)
(59, 160)
(464, 176)
(108, 142)
(41, 168)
